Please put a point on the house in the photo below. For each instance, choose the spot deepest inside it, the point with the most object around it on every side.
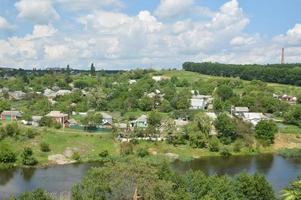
(200, 102)
(140, 122)
(160, 78)
(107, 120)
(49, 93)
(70, 122)
(287, 98)
(238, 111)
(10, 115)
(253, 117)
(58, 116)
(62, 92)
(132, 81)
(36, 120)
(17, 95)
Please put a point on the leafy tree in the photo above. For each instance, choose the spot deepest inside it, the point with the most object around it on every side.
(146, 103)
(203, 123)
(92, 70)
(154, 119)
(38, 194)
(293, 192)
(226, 127)
(27, 157)
(4, 105)
(92, 119)
(224, 92)
(254, 187)
(120, 180)
(6, 154)
(265, 130)
(293, 116)
(214, 144)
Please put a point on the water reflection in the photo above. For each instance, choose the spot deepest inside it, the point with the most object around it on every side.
(60, 179)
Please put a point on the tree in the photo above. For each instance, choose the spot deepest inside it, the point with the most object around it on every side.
(27, 157)
(214, 144)
(146, 103)
(293, 192)
(38, 194)
(254, 187)
(154, 119)
(293, 116)
(120, 180)
(265, 130)
(224, 92)
(4, 105)
(203, 122)
(92, 70)
(6, 154)
(226, 127)
(92, 119)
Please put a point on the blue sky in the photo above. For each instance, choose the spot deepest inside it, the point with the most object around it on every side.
(118, 34)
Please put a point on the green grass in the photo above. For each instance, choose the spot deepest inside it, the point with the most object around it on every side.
(289, 153)
(289, 129)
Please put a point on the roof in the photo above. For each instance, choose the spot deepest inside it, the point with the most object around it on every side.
(197, 102)
(241, 109)
(72, 121)
(252, 115)
(200, 96)
(142, 118)
(62, 92)
(179, 122)
(12, 113)
(56, 114)
(36, 118)
(106, 115)
(122, 125)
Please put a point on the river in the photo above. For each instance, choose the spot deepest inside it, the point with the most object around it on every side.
(59, 179)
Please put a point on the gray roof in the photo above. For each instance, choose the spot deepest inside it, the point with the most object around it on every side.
(56, 114)
(241, 109)
(106, 115)
(142, 118)
(12, 113)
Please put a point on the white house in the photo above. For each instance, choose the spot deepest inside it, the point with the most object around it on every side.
(238, 111)
(253, 117)
(199, 102)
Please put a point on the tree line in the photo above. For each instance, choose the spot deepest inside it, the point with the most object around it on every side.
(276, 73)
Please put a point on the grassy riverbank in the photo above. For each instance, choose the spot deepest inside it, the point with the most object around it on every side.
(90, 145)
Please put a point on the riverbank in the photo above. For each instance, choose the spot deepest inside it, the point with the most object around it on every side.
(65, 142)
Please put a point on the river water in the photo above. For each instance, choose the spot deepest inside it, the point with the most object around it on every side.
(59, 179)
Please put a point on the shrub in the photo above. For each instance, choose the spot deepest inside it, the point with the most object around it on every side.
(265, 131)
(104, 154)
(7, 155)
(27, 157)
(76, 156)
(44, 147)
(289, 153)
(142, 152)
(214, 144)
(224, 151)
(126, 148)
(30, 133)
(237, 146)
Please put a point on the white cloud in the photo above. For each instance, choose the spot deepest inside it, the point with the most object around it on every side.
(170, 8)
(37, 11)
(56, 51)
(242, 41)
(4, 24)
(292, 37)
(76, 5)
(40, 31)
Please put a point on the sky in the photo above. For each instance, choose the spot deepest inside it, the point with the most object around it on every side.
(126, 34)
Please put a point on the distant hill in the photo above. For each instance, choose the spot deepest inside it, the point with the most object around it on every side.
(276, 73)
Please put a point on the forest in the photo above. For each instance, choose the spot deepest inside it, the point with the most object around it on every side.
(276, 73)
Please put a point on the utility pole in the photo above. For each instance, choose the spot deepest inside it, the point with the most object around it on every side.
(282, 56)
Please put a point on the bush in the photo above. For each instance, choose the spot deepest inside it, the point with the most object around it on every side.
(7, 155)
(289, 153)
(214, 144)
(265, 131)
(237, 146)
(225, 152)
(141, 152)
(44, 147)
(30, 133)
(38, 194)
(126, 148)
(104, 154)
(76, 156)
(27, 157)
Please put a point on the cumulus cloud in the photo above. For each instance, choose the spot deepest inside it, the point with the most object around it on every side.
(291, 38)
(41, 11)
(114, 39)
(170, 8)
